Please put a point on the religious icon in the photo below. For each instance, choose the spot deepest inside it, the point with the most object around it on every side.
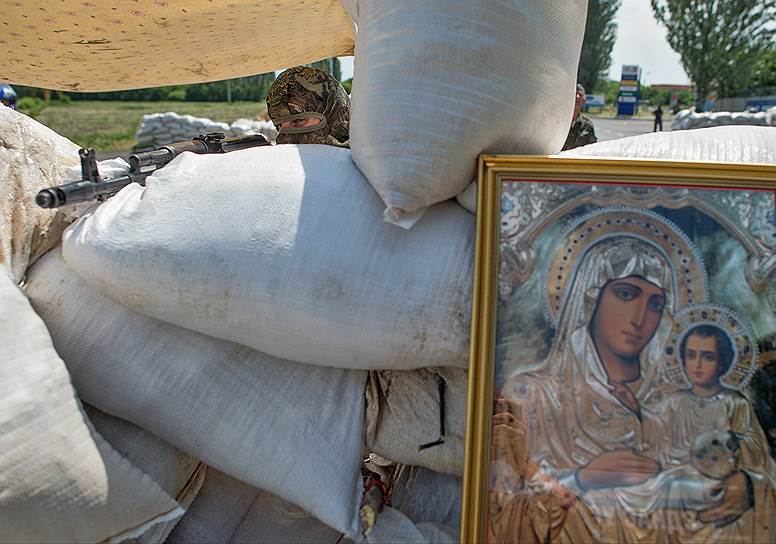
(620, 309)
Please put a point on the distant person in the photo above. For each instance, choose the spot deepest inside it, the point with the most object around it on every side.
(658, 119)
(582, 131)
(7, 96)
(309, 106)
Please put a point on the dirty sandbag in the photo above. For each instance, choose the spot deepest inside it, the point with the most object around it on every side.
(60, 479)
(281, 248)
(292, 429)
(441, 81)
(418, 417)
(32, 157)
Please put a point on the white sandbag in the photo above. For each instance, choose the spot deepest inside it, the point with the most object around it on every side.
(281, 249)
(180, 475)
(32, 157)
(746, 145)
(403, 414)
(393, 527)
(719, 144)
(441, 81)
(292, 429)
(60, 481)
(216, 513)
(426, 496)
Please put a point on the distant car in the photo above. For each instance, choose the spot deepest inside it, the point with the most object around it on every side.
(7, 95)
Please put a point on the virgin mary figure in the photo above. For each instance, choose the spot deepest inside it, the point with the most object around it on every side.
(613, 284)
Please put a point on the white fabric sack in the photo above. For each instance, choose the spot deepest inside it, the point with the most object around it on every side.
(178, 474)
(441, 81)
(32, 157)
(745, 145)
(216, 513)
(281, 249)
(402, 414)
(739, 144)
(60, 481)
(292, 429)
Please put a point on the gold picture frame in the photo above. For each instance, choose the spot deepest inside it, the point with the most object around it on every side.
(558, 193)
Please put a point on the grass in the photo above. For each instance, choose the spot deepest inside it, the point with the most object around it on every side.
(111, 126)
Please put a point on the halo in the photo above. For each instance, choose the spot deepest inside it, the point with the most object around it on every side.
(745, 354)
(628, 222)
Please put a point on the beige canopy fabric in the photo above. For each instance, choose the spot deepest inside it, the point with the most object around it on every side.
(96, 45)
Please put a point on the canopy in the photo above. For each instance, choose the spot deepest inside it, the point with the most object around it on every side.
(77, 45)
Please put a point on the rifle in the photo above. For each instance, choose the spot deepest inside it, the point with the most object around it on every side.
(141, 165)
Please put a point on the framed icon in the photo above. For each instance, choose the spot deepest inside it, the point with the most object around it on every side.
(622, 369)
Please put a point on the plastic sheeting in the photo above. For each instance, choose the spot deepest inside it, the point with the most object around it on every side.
(73, 45)
(282, 249)
(292, 429)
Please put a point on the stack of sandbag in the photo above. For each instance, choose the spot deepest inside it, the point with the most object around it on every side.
(690, 119)
(292, 429)
(163, 128)
(288, 257)
(441, 81)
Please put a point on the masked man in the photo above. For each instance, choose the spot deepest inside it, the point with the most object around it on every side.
(309, 106)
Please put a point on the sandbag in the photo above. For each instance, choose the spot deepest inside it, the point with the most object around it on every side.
(403, 414)
(216, 513)
(60, 481)
(441, 81)
(32, 157)
(180, 475)
(292, 429)
(281, 249)
(745, 145)
(228, 510)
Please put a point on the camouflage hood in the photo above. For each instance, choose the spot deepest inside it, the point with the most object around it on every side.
(309, 92)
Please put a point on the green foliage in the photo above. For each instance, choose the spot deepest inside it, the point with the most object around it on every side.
(179, 93)
(348, 85)
(600, 35)
(718, 43)
(765, 70)
(31, 105)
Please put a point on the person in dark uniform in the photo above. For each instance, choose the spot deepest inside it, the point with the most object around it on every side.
(658, 119)
(582, 131)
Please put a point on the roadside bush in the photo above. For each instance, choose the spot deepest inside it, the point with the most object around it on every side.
(31, 105)
(178, 94)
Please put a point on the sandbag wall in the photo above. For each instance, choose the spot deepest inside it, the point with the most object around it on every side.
(163, 128)
(690, 119)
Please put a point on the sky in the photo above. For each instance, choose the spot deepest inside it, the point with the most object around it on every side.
(640, 40)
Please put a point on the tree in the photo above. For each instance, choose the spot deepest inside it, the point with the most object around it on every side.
(718, 41)
(765, 70)
(600, 34)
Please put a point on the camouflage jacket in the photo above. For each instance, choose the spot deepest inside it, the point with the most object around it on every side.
(581, 133)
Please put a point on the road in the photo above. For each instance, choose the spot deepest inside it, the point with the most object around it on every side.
(612, 129)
